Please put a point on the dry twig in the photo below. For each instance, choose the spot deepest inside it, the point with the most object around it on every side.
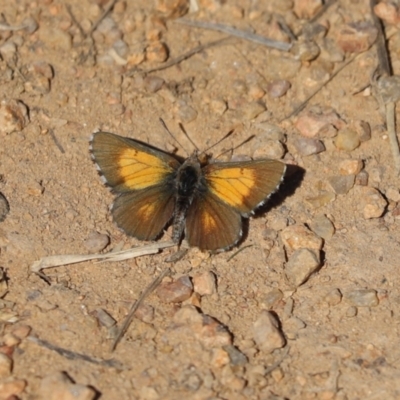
(275, 44)
(136, 305)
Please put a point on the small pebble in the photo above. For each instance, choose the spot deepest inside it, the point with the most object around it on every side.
(96, 242)
(145, 313)
(104, 318)
(292, 326)
(389, 88)
(236, 356)
(363, 129)
(218, 105)
(205, 283)
(190, 323)
(362, 178)
(8, 50)
(6, 365)
(157, 52)
(252, 110)
(13, 388)
(347, 140)
(148, 393)
(317, 121)
(21, 331)
(362, 297)
(270, 149)
(330, 51)
(305, 50)
(268, 131)
(320, 200)
(334, 297)
(388, 12)
(351, 312)
(121, 48)
(11, 340)
(30, 25)
(302, 263)
(256, 92)
(357, 37)
(322, 226)
(59, 386)
(350, 167)
(278, 88)
(4, 207)
(153, 83)
(186, 113)
(272, 298)
(13, 116)
(392, 193)
(42, 68)
(267, 334)
(175, 292)
(296, 237)
(341, 184)
(219, 358)
(172, 8)
(308, 146)
(372, 204)
(306, 9)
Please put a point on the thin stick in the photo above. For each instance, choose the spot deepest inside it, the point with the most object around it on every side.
(136, 305)
(61, 260)
(57, 143)
(178, 59)
(75, 21)
(304, 103)
(238, 251)
(277, 363)
(391, 130)
(385, 70)
(72, 355)
(381, 49)
(319, 14)
(252, 37)
(106, 11)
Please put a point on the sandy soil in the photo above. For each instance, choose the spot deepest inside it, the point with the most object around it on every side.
(340, 327)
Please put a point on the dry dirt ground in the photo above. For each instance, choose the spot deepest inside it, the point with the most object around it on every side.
(337, 335)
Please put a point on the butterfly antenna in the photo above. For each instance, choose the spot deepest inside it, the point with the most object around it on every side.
(236, 147)
(219, 141)
(188, 137)
(170, 133)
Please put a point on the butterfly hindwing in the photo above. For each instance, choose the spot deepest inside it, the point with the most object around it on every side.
(144, 213)
(127, 164)
(244, 185)
(212, 224)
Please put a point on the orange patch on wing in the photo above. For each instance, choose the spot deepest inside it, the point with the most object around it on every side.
(146, 211)
(140, 170)
(209, 222)
(232, 185)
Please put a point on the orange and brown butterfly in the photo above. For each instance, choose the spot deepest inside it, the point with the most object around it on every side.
(205, 200)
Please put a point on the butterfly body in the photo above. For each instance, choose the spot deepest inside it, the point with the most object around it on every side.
(205, 201)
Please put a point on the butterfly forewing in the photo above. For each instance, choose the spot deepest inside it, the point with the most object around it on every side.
(212, 224)
(244, 185)
(129, 165)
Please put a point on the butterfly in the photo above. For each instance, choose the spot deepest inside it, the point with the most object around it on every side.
(205, 200)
